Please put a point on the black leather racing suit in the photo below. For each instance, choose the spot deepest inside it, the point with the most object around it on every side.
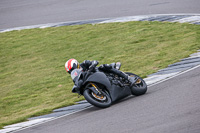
(105, 67)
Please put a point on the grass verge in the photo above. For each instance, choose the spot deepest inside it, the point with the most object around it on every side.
(33, 77)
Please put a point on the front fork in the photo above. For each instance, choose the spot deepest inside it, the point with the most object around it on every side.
(95, 89)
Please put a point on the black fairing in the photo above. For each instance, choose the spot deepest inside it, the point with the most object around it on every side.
(99, 77)
(116, 92)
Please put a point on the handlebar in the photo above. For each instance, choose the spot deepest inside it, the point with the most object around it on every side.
(92, 67)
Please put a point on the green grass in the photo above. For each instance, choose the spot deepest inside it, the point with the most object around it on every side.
(33, 77)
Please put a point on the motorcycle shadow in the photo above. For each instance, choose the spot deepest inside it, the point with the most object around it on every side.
(121, 101)
(116, 103)
(93, 108)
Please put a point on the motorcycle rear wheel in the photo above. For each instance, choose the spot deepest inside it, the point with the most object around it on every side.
(102, 101)
(140, 87)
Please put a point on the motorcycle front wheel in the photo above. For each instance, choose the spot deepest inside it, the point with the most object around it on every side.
(140, 87)
(101, 101)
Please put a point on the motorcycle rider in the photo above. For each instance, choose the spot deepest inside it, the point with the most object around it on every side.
(72, 64)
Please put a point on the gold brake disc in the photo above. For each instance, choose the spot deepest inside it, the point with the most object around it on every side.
(138, 80)
(95, 95)
(99, 97)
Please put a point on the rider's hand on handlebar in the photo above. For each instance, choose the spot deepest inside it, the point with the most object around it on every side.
(94, 64)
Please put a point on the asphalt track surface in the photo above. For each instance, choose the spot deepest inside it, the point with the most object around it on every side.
(17, 13)
(169, 107)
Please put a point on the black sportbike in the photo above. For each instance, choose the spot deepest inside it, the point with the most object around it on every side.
(101, 88)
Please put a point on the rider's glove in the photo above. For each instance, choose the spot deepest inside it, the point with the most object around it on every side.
(94, 64)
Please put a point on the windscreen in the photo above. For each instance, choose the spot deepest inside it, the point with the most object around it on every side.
(75, 73)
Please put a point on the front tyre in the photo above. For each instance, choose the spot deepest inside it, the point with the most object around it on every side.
(102, 101)
(140, 87)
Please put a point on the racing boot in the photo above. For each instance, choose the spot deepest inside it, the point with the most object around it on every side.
(118, 65)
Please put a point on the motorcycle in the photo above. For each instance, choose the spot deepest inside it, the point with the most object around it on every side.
(102, 88)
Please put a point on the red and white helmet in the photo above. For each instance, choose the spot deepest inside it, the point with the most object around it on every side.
(71, 64)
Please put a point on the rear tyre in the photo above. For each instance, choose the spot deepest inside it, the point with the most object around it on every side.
(140, 87)
(102, 101)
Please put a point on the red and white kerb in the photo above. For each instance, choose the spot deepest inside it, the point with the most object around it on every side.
(69, 64)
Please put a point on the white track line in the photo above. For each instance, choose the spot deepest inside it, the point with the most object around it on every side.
(174, 76)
